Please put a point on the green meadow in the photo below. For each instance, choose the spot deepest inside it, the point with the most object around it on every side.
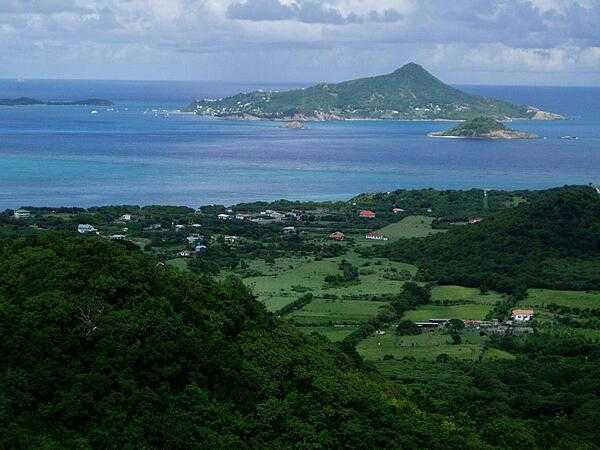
(573, 299)
(463, 312)
(427, 346)
(410, 227)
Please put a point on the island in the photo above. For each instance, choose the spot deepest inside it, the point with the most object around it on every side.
(26, 101)
(409, 93)
(482, 128)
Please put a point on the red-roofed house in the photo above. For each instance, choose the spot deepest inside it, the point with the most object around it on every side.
(337, 236)
(367, 214)
(522, 315)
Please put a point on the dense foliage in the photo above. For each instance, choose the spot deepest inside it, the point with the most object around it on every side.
(408, 93)
(552, 241)
(104, 348)
(546, 398)
(475, 127)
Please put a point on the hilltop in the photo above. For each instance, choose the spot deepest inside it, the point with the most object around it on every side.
(409, 93)
(483, 128)
(26, 101)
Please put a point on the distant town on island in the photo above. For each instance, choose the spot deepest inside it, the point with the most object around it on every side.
(409, 93)
(26, 101)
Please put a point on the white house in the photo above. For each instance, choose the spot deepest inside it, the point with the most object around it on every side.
(118, 237)
(85, 228)
(224, 217)
(375, 235)
(125, 218)
(522, 315)
(192, 238)
(22, 214)
(231, 239)
(289, 230)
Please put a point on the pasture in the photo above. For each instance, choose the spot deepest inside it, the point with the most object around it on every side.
(463, 312)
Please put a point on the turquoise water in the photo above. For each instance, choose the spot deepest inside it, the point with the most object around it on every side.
(140, 152)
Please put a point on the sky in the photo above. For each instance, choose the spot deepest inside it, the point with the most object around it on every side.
(534, 42)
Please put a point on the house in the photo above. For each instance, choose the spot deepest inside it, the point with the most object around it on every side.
(242, 216)
(429, 210)
(475, 220)
(397, 210)
(118, 237)
(428, 325)
(85, 228)
(231, 239)
(367, 214)
(22, 214)
(224, 217)
(337, 236)
(185, 254)
(200, 250)
(192, 238)
(196, 225)
(179, 227)
(289, 230)
(125, 218)
(273, 214)
(154, 226)
(377, 236)
(522, 315)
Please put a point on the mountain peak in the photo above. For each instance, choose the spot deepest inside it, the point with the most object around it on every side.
(413, 68)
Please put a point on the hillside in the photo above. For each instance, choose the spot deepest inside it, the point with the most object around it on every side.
(483, 128)
(551, 241)
(409, 93)
(104, 348)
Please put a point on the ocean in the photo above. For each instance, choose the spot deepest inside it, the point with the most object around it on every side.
(142, 152)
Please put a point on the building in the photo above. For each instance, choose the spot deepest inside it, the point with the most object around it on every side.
(231, 239)
(193, 238)
(179, 227)
(289, 230)
(85, 228)
(125, 218)
(377, 236)
(22, 214)
(475, 220)
(367, 214)
(522, 315)
(337, 236)
(273, 214)
(185, 254)
(200, 250)
(243, 216)
(118, 237)
(428, 325)
(224, 217)
(397, 210)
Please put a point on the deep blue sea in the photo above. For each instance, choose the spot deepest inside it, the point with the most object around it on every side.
(141, 152)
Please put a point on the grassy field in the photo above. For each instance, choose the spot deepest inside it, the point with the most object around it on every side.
(463, 312)
(278, 284)
(321, 311)
(410, 227)
(427, 346)
(574, 299)
(460, 294)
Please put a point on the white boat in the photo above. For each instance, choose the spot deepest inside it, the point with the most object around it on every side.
(94, 112)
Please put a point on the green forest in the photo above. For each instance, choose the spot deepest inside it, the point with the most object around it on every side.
(276, 336)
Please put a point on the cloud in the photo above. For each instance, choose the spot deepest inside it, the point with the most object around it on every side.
(307, 11)
(298, 39)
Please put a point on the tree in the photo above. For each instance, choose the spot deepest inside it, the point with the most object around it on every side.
(408, 328)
